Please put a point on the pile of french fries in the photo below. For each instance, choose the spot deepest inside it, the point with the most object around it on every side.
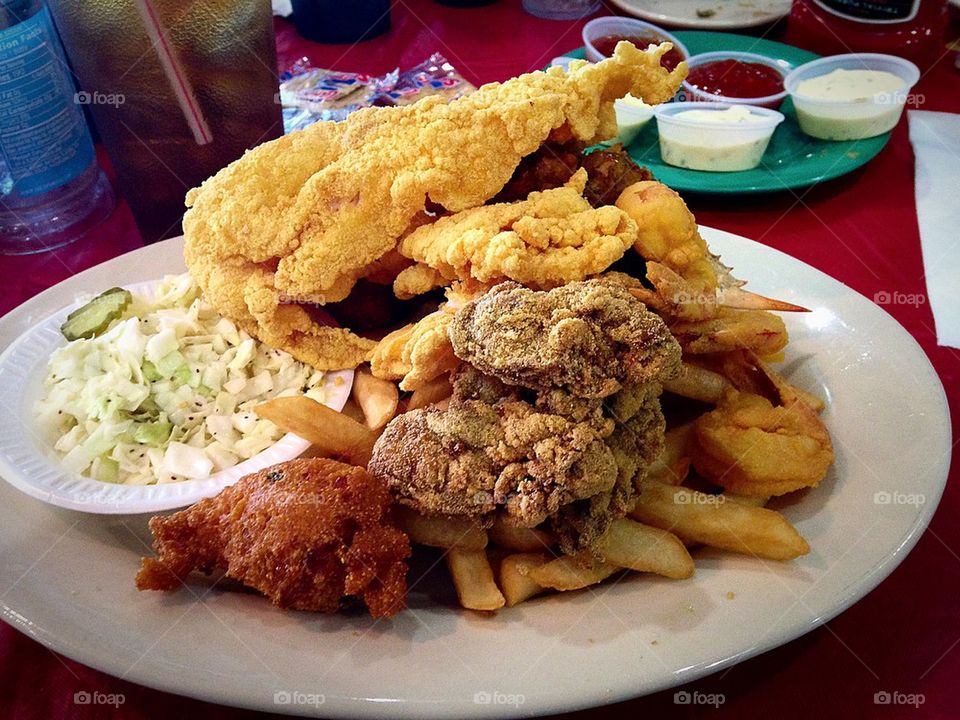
(505, 565)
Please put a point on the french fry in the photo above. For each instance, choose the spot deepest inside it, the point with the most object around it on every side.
(571, 572)
(335, 434)
(696, 517)
(519, 539)
(698, 383)
(377, 398)
(353, 411)
(673, 474)
(473, 578)
(673, 464)
(640, 547)
(441, 531)
(432, 392)
(758, 501)
(515, 580)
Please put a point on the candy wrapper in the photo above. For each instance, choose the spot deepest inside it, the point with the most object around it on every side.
(434, 76)
(309, 94)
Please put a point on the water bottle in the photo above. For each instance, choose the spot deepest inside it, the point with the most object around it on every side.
(51, 188)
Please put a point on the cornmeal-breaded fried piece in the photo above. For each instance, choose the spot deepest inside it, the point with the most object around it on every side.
(590, 338)
(420, 352)
(530, 456)
(416, 353)
(551, 238)
(549, 457)
(298, 220)
(306, 533)
(554, 413)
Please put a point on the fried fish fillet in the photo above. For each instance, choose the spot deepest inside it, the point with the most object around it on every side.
(551, 238)
(306, 533)
(296, 221)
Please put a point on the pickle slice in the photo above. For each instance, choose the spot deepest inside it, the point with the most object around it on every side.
(95, 317)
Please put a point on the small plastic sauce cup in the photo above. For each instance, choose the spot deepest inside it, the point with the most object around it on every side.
(851, 119)
(713, 145)
(606, 26)
(631, 119)
(768, 101)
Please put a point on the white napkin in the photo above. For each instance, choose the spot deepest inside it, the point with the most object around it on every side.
(936, 144)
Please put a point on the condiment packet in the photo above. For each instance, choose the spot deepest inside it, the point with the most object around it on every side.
(434, 76)
(309, 93)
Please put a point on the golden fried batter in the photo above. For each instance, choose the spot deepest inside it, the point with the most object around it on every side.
(551, 238)
(417, 280)
(306, 533)
(298, 220)
(417, 353)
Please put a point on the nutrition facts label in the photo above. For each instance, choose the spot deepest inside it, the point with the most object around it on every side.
(43, 137)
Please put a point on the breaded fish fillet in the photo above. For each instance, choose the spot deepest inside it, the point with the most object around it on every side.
(551, 238)
(298, 220)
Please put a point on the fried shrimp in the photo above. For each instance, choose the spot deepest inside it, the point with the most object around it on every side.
(751, 447)
(689, 282)
(297, 221)
(306, 533)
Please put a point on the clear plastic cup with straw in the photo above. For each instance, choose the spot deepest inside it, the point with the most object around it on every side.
(177, 91)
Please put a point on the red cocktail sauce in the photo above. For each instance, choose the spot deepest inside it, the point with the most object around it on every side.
(605, 45)
(736, 79)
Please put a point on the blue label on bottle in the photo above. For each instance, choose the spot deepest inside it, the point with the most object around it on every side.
(43, 135)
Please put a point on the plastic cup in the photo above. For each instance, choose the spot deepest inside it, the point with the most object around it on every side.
(851, 119)
(767, 101)
(713, 145)
(604, 26)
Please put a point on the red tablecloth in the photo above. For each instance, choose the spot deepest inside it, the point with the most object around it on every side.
(862, 229)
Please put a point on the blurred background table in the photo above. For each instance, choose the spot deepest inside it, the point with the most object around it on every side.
(861, 229)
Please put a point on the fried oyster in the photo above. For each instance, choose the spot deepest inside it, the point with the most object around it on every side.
(297, 221)
(555, 412)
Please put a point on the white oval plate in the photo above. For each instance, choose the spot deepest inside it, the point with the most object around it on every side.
(728, 14)
(67, 579)
(29, 462)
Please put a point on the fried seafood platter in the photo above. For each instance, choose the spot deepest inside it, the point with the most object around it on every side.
(556, 378)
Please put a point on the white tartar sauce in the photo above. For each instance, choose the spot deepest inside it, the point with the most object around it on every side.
(735, 114)
(850, 85)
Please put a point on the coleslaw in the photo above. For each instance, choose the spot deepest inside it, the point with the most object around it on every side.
(166, 393)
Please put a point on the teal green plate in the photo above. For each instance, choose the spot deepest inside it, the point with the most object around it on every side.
(792, 159)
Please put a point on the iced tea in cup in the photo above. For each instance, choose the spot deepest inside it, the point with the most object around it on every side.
(177, 88)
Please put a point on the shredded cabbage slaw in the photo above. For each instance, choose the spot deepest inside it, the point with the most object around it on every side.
(167, 392)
